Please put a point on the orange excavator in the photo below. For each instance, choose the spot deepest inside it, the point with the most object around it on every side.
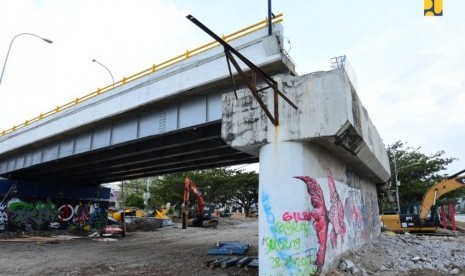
(203, 215)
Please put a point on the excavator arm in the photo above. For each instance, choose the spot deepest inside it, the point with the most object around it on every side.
(204, 216)
(189, 185)
(439, 189)
(418, 222)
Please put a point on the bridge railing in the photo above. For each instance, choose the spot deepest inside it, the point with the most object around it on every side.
(154, 68)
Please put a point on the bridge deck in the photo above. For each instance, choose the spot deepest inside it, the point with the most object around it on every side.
(153, 125)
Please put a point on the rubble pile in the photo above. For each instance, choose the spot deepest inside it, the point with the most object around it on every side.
(407, 254)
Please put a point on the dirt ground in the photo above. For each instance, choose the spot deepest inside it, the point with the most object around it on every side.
(169, 250)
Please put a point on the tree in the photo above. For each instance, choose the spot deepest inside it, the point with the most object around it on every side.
(244, 189)
(134, 189)
(218, 186)
(134, 200)
(417, 171)
(167, 188)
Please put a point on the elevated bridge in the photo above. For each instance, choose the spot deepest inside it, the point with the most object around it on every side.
(319, 166)
(162, 120)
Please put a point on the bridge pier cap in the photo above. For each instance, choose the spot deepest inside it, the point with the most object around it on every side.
(318, 170)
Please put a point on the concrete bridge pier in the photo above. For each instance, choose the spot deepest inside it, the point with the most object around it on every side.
(318, 171)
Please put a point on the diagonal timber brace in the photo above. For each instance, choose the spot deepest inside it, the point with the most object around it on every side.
(230, 52)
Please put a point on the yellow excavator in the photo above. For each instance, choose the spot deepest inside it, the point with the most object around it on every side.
(421, 219)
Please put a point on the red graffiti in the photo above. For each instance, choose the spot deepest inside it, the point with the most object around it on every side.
(297, 216)
(336, 213)
(322, 217)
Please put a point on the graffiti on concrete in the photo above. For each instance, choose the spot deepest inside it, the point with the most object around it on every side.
(289, 233)
(3, 217)
(98, 216)
(297, 216)
(44, 215)
(323, 217)
(339, 216)
(54, 225)
(361, 210)
(37, 215)
(336, 213)
(66, 212)
(82, 215)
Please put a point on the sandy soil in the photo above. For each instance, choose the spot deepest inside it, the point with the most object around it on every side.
(166, 251)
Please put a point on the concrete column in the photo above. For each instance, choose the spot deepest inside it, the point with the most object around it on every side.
(318, 170)
(312, 208)
(284, 234)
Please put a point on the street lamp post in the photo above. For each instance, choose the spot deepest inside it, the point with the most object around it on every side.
(397, 183)
(11, 43)
(107, 70)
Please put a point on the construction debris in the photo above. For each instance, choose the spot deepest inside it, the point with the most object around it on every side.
(229, 248)
(229, 262)
(207, 263)
(405, 253)
(252, 265)
(242, 262)
(217, 262)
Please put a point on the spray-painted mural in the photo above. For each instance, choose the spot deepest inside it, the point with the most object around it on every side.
(39, 206)
(3, 217)
(47, 215)
(338, 216)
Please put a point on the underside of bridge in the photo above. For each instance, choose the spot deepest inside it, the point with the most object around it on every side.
(182, 150)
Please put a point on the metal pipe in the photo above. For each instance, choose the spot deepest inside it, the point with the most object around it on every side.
(269, 18)
(217, 263)
(9, 48)
(397, 183)
(229, 262)
(123, 214)
(242, 262)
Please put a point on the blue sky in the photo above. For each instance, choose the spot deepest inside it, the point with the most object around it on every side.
(410, 68)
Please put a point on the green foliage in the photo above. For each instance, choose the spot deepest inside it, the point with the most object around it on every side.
(417, 171)
(167, 188)
(134, 192)
(218, 186)
(387, 202)
(134, 200)
(244, 189)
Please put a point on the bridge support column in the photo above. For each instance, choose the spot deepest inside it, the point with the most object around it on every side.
(311, 209)
(285, 231)
(318, 171)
